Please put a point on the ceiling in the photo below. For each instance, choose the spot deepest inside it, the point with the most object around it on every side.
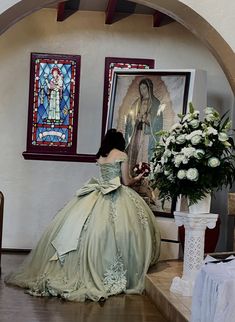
(114, 10)
(101, 5)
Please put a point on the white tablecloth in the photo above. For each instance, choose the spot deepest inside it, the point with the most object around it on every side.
(214, 292)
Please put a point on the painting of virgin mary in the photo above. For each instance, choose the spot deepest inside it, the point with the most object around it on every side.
(143, 120)
(142, 104)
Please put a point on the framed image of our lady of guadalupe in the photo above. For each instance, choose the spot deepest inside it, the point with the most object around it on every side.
(143, 102)
(114, 63)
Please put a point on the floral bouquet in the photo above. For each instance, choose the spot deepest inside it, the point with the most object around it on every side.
(195, 157)
(142, 167)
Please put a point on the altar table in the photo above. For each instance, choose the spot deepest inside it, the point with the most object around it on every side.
(213, 297)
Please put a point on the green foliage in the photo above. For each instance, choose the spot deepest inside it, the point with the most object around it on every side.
(191, 108)
(195, 157)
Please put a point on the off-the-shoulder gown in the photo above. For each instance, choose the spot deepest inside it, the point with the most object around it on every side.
(100, 244)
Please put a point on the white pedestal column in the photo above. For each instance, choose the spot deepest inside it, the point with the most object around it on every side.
(195, 226)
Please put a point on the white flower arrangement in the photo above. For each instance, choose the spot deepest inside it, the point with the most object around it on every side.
(194, 157)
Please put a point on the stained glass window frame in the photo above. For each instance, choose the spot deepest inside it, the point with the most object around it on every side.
(53, 107)
(120, 63)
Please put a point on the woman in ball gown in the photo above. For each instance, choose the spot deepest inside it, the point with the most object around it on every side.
(101, 243)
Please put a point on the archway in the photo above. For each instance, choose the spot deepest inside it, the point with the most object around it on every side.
(173, 8)
(202, 30)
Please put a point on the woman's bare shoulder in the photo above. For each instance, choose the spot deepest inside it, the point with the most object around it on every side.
(113, 156)
(117, 154)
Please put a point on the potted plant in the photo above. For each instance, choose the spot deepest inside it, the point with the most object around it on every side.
(194, 158)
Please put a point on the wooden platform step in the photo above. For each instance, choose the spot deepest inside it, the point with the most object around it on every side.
(174, 307)
(17, 306)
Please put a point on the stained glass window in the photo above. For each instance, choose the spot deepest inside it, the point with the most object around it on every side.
(53, 103)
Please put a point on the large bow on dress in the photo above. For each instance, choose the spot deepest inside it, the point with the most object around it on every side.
(68, 236)
(103, 186)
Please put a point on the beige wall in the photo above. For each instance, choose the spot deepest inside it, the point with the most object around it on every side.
(220, 14)
(35, 190)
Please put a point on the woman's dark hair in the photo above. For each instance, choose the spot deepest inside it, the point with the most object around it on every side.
(112, 140)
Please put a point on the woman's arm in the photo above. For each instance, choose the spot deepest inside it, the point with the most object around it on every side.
(127, 180)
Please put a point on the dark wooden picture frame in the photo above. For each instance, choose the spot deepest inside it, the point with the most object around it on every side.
(53, 108)
(119, 63)
(166, 96)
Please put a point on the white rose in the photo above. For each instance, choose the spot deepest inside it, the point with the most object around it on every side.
(188, 152)
(222, 136)
(178, 159)
(192, 174)
(211, 130)
(196, 113)
(181, 174)
(213, 162)
(209, 110)
(176, 127)
(168, 140)
(192, 134)
(210, 118)
(167, 153)
(196, 139)
(163, 160)
(180, 139)
(158, 168)
(166, 172)
(211, 114)
(194, 124)
(185, 160)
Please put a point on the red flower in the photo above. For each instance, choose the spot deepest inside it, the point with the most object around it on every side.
(142, 167)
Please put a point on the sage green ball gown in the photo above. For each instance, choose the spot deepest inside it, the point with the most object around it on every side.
(100, 244)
